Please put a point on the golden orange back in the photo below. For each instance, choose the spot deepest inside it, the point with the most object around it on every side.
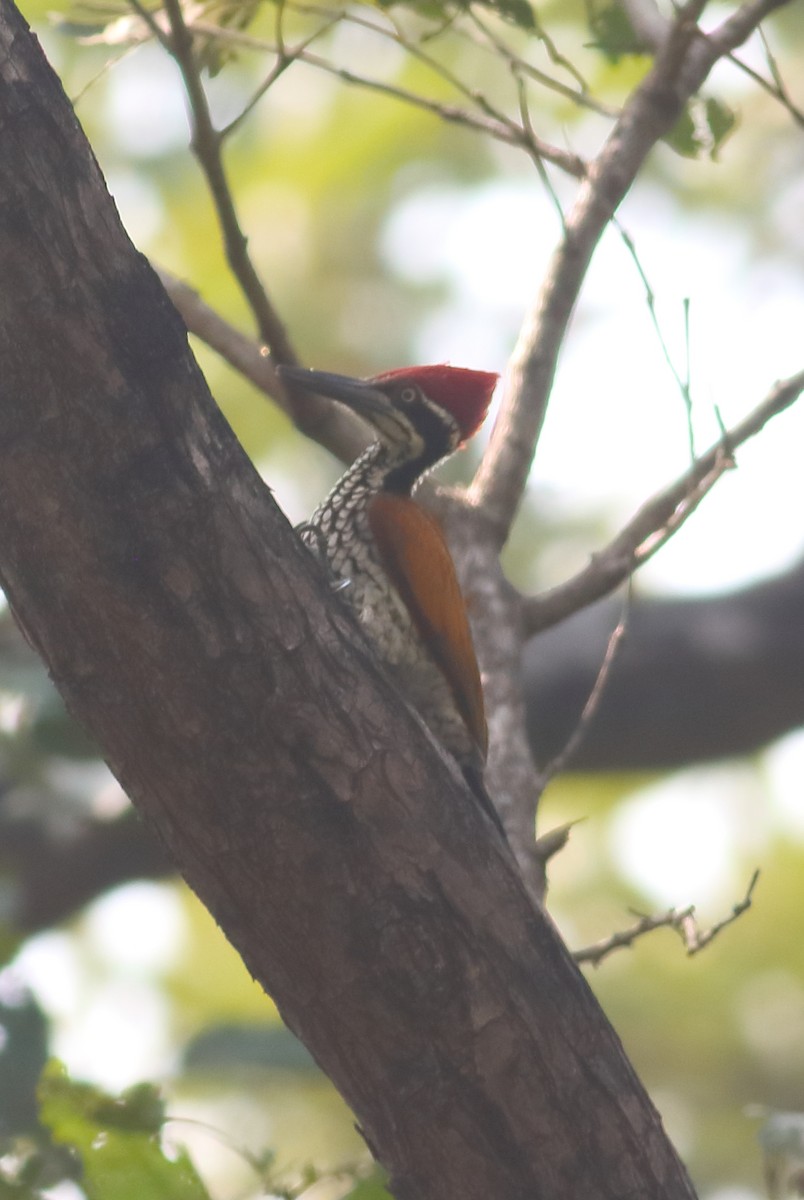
(420, 566)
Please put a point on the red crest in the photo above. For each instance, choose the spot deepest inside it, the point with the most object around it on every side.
(465, 394)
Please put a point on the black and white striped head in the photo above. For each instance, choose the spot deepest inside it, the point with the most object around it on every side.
(422, 414)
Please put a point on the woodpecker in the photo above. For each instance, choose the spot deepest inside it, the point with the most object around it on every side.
(389, 555)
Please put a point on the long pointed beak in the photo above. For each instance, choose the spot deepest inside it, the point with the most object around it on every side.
(361, 396)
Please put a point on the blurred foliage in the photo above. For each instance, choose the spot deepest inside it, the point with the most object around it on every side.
(782, 1141)
(23, 1033)
(322, 174)
(118, 1149)
(702, 128)
(613, 33)
(116, 1139)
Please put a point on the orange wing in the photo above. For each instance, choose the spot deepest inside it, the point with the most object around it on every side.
(420, 566)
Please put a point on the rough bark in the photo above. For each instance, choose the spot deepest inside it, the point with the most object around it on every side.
(190, 632)
(696, 680)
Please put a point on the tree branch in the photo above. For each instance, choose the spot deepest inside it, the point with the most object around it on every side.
(729, 35)
(487, 120)
(577, 95)
(330, 425)
(651, 111)
(658, 519)
(682, 921)
(207, 143)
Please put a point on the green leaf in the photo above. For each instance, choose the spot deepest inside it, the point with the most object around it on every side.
(117, 1139)
(518, 11)
(368, 1189)
(702, 128)
(613, 33)
(722, 121)
(372, 1188)
(684, 137)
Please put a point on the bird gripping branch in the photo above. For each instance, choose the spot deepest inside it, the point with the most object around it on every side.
(390, 554)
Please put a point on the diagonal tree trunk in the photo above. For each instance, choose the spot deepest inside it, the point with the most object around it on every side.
(190, 633)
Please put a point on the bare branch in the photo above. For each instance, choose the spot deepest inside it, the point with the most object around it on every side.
(330, 425)
(488, 121)
(501, 128)
(776, 88)
(781, 93)
(538, 162)
(624, 938)
(682, 921)
(578, 95)
(680, 68)
(657, 519)
(731, 33)
(241, 352)
(284, 58)
(740, 25)
(696, 940)
(565, 756)
(207, 147)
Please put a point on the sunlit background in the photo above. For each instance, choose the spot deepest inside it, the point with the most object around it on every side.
(386, 237)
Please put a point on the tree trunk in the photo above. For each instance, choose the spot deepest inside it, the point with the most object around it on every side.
(191, 634)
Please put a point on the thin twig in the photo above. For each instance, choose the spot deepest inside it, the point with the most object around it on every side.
(781, 92)
(682, 383)
(531, 142)
(774, 88)
(547, 183)
(682, 921)
(623, 938)
(487, 120)
(657, 519)
(564, 757)
(207, 146)
(114, 60)
(686, 385)
(284, 59)
(501, 130)
(554, 54)
(580, 96)
(696, 940)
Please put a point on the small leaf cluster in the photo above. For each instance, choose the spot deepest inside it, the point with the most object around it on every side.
(112, 1146)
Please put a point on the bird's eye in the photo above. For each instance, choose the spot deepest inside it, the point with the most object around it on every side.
(407, 395)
